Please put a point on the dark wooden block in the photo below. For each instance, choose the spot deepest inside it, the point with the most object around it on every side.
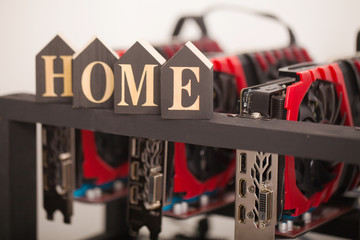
(54, 72)
(137, 80)
(93, 77)
(187, 85)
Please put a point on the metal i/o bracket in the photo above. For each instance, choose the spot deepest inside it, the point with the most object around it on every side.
(256, 195)
(58, 171)
(146, 184)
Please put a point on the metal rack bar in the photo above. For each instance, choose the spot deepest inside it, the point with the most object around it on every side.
(20, 112)
(319, 141)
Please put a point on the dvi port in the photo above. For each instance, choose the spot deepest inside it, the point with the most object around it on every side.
(266, 200)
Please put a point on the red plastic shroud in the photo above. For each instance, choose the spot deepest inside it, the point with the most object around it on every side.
(233, 66)
(94, 167)
(184, 181)
(271, 58)
(294, 199)
(205, 45)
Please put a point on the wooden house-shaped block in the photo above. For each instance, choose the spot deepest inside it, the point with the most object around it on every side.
(137, 80)
(54, 72)
(187, 85)
(93, 77)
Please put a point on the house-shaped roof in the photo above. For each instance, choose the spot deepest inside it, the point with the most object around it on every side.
(140, 57)
(57, 46)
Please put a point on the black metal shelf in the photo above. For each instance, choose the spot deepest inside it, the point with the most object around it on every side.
(300, 139)
(20, 112)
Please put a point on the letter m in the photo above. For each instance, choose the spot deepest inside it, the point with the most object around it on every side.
(127, 76)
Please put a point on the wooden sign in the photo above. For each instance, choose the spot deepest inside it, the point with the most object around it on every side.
(137, 80)
(187, 85)
(93, 77)
(140, 82)
(54, 72)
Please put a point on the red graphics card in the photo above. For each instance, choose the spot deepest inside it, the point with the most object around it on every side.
(327, 94)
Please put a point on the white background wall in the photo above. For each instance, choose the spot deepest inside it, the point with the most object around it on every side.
(327, 28)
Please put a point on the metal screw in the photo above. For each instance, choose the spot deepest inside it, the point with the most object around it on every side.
(256, 115)
(262, 225)
(64, 156)
(251, 189)
(250, 214)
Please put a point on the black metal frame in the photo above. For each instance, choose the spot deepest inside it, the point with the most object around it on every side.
(20, 112)
(17, 180)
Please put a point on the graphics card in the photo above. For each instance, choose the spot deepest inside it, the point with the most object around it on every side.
(309, 93)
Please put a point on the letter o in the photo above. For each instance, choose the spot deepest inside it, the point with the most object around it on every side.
(86, 82)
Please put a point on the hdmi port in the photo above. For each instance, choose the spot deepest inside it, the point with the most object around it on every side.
(135, 171)
(134, 191)
(241, 213)
(242, 187)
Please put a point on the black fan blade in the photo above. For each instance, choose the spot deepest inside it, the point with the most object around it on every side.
(305, 114)
(113, 149)
(205, 162)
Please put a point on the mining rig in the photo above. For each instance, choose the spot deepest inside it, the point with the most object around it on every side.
(274, 143)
